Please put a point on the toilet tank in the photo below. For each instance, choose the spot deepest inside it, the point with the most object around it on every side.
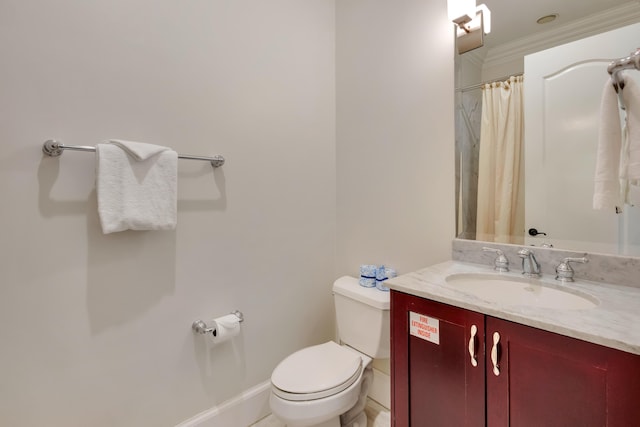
(362, 317)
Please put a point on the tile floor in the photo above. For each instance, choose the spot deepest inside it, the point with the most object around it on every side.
(377, 416)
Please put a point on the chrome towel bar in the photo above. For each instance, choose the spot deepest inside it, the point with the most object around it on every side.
(55, 148)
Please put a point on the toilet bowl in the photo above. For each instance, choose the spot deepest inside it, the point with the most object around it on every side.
(316, 385)
(326, 385)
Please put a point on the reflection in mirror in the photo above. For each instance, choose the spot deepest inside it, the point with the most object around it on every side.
(500, 201)
(501, 58)
(575, 123)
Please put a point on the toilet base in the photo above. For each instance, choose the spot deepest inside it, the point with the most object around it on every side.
(356, 417)
(333, 422)
(360, 421)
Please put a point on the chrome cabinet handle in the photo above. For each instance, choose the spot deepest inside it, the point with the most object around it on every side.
(494, 354)
(472, 346)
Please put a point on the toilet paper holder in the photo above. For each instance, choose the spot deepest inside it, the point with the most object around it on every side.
(201, 328)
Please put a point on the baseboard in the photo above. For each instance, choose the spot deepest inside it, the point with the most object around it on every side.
(253, 405)
(239, 411)
(381, 388)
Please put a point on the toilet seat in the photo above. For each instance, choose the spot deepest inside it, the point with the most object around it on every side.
(316, 372)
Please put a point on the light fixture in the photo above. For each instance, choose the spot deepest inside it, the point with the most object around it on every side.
(472, 22)
(547, 18)
(461, 11)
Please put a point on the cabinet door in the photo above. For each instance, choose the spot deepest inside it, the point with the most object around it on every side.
(434, 381)
(546, 379)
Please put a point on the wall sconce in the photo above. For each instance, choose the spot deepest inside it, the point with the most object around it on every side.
(472, 22)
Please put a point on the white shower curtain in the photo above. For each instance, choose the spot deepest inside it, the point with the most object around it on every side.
(500, 215)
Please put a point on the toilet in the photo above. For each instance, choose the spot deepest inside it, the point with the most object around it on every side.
(326, 385)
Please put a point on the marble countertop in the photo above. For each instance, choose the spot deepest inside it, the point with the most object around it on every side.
(614, 322)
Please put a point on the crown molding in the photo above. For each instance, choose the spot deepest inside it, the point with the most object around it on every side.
(610, 19)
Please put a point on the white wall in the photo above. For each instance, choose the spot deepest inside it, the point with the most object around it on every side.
(394, 79)
(95, 329)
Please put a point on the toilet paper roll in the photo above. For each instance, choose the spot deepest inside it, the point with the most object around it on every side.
(382, 275)
(368, 275)
(225, 328)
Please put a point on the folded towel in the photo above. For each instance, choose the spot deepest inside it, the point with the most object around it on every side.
(139, 150)
(136, 185)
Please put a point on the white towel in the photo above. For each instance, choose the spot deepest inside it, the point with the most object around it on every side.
(136, 185)
(607, 185)
(618, 158)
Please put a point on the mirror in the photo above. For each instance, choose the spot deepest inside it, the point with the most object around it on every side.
(515, 34)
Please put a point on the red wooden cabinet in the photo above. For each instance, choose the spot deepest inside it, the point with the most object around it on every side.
(436, 384)
(524, 377)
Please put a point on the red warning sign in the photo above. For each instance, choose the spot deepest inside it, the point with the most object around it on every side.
(424, 327)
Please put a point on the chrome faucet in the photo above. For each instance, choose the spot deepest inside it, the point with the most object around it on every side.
(530, 266)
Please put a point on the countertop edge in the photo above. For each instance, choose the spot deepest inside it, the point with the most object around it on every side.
(601, 325)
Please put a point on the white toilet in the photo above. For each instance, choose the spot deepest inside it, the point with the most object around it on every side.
(326, 385)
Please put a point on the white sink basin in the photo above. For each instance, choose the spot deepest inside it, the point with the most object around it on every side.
(521, 291)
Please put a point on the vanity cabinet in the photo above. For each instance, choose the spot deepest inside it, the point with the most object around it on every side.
(455, 367)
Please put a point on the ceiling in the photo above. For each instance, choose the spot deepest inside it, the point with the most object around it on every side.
(514, 19)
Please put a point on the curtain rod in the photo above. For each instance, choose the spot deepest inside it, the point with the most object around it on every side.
(479, 85)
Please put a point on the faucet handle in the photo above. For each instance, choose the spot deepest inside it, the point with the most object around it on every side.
(501, 263)
(564, 272)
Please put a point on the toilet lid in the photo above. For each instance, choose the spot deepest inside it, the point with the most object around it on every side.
(316, 372)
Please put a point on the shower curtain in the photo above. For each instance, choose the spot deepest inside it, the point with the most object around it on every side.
(500, 216)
